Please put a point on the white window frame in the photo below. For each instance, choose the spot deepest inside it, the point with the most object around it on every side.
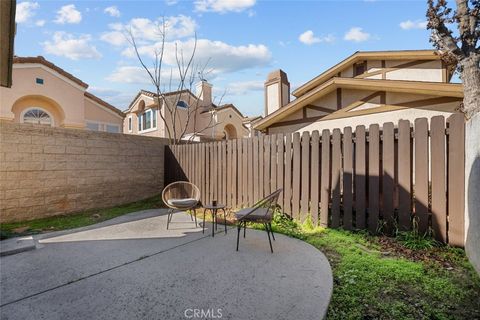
(102, 126)
(130, 123)
(22, 114)
(153, 115)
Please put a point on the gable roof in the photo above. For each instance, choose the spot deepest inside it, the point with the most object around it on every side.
(41, 60)
(418, 87)
(366, 55)
(153, 94)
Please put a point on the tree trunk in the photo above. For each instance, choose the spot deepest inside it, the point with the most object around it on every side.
(471, 85)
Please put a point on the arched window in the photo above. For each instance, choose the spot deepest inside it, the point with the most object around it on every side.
(37, 116)
(182, 104)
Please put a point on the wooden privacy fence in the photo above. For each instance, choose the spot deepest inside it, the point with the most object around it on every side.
(376, 178)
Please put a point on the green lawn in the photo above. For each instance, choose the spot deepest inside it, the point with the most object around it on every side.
(374, 277)
(15, 229)
(380, 278)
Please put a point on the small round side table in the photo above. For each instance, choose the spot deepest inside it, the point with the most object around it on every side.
(214, 209)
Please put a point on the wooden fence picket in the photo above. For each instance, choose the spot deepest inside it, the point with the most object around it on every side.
(288, 175)
(456, 179)
(421, 174)
(325, 179)
(296, 176)
(360, 178)
(336, 180)
(373, 177)
(388, 176)
(347, 178)
(315, 177)
(305, 174)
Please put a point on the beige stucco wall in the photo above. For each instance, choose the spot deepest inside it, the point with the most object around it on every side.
(227, 117)
(49, 171)
(425, 71)
(62, 98)
(57, 89)
(96, 113)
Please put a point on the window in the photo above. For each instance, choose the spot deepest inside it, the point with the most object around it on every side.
(182, 104)
(39, 81)
(37, 116)
(93, 126)
(102, 126)
(129, 123)
(359, 68)
(147, 120)
(113, 128)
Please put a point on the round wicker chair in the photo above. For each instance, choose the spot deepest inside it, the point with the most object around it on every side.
(181, 195)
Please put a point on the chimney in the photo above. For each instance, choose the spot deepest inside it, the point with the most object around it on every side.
(204, 93)
(277, 91)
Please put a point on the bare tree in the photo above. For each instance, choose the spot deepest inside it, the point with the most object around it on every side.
(187, 73)
(459, 48)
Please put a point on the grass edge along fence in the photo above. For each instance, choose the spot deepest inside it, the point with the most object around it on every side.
(378, 178)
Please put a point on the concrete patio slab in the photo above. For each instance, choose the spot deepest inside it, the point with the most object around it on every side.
(16, 245)
(134, 269)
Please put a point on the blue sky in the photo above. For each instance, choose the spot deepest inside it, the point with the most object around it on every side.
(243, 40)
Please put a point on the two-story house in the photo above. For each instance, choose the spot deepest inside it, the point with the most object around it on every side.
(366, 88)
(196, 115)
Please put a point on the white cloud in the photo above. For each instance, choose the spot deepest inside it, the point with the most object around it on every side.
(357, 34)
(25, 10)
(220, 56)
(244, 87)
(68, 14)
(417, 24)
(309, 38)
(223, 6)
(75, 48)
(112, 11)
(138, 75)
(115, 38)
(120, 99)
(144, 29)
(171, 2)
(40, 23)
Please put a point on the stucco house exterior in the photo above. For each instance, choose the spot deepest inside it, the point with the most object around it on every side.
(42, 93)
(365, 88)
(207, 120)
